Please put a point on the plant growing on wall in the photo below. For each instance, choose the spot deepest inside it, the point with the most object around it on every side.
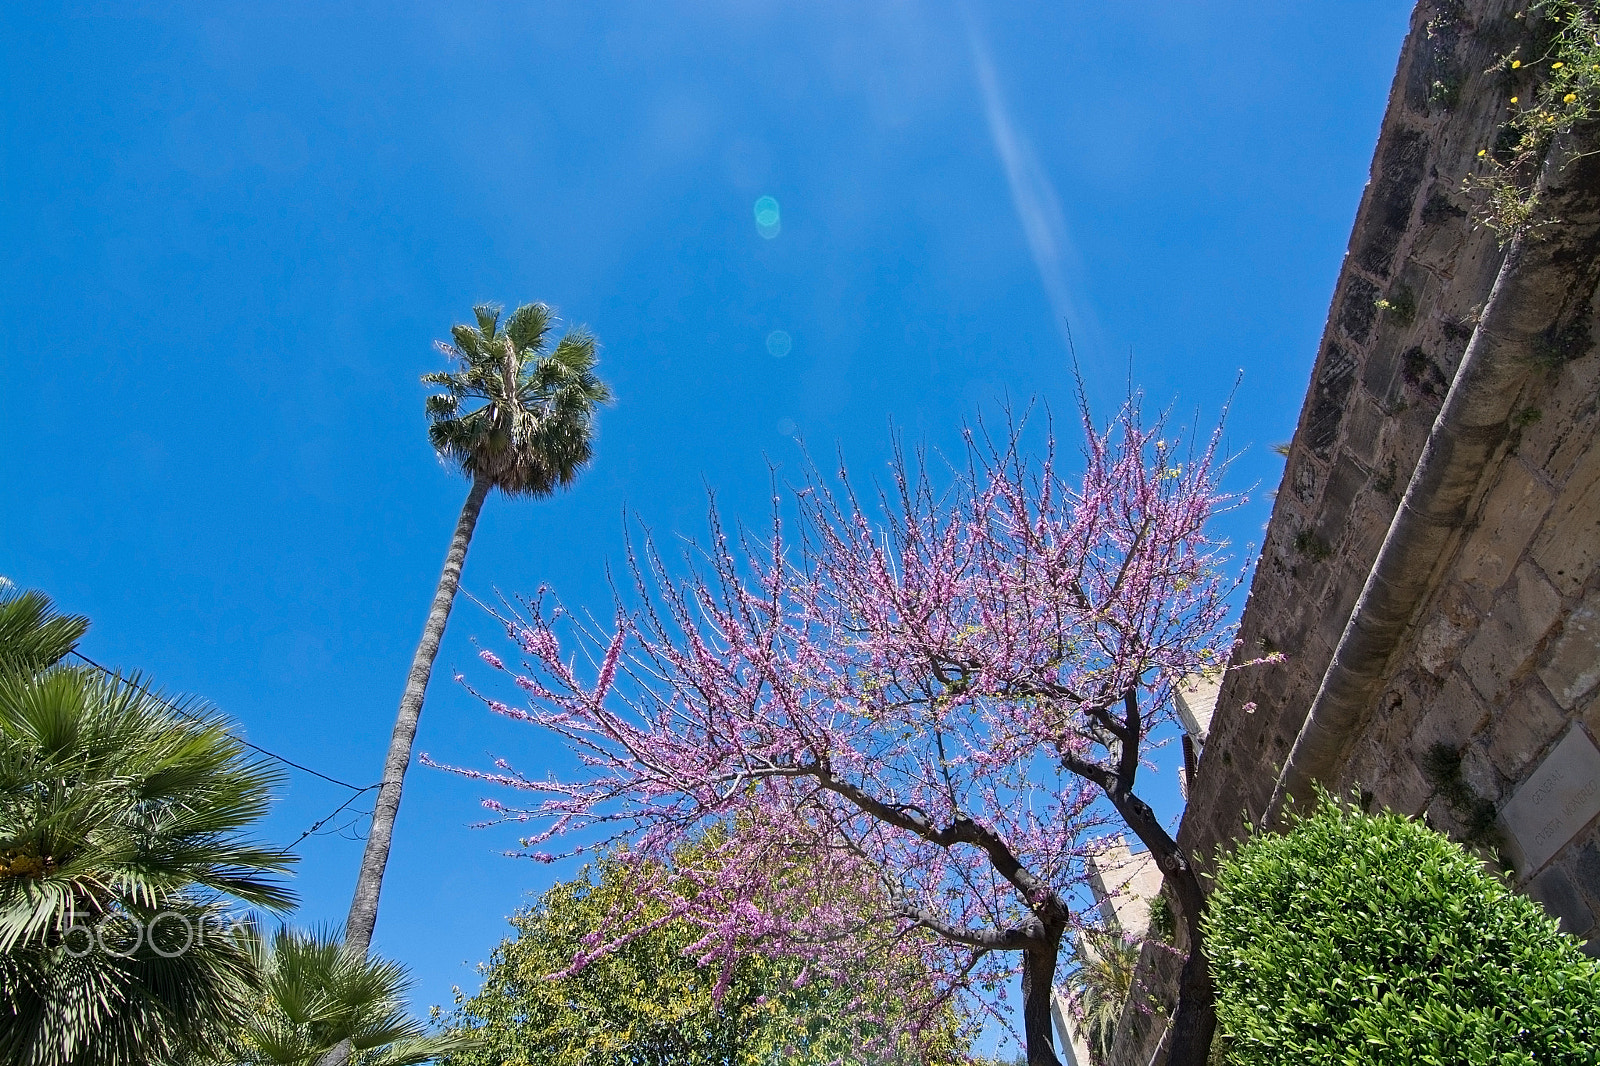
(1552, 89)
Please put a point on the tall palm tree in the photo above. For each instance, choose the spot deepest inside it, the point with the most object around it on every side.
(517, 416)
(121, 837)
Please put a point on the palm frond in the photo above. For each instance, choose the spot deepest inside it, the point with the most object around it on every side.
(1100, 986)
(488, 315)
(33, 635)
(527, 326)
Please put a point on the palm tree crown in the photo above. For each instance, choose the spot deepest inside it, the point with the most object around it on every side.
(319, 994)
(533, 431)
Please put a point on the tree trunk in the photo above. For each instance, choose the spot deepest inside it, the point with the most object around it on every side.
(1195, 1021)
(1038, 979)
(1195, 1024)
(364, 906)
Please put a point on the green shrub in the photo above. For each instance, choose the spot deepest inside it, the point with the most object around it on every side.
(1361, 938)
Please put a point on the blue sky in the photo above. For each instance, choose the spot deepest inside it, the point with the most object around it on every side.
(233, 235)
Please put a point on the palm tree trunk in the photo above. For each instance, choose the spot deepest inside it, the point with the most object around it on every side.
(364, 907)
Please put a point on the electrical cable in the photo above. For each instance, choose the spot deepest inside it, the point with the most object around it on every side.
(253, 747)
(356, 791)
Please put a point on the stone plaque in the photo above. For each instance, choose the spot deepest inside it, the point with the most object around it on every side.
(1557, 801)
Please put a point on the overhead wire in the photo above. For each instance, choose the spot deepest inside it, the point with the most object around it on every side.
(253, 747)
(330, 817)
(356, 791)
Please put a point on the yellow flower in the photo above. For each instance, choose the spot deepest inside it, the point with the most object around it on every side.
(1513, 99)
(1515, 63)
(1482, 152)
(1567, 99)
(1557, 65)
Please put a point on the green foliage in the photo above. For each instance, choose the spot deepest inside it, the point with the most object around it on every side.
(1552, 89)
(1401, 303)
(33, 635)
(1100, 986)
(1361, 938)
(316, 995)
(648, 1003)
(514, 411)
(1163, 922)
(120, 834)
(1313, 547)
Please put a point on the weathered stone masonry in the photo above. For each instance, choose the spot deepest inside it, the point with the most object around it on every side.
(1498, 653)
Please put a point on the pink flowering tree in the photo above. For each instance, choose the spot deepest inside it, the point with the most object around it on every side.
(938, 695)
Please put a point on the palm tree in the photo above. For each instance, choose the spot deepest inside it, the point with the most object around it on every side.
(1100, 986)
(121, 818)
(318, 996)
(515, 416)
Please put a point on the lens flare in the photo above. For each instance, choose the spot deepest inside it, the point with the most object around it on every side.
(779, 344)
(768, 221)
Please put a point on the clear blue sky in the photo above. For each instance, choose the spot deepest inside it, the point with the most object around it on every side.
(231, 237)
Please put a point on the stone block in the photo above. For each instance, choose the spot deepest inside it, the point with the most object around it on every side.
(1522, 728)
(1556, 801)
(1330, 391)
(1305, 479)
(1586, 869)
(1346, 479)
(1404, 437)
(1438, 246)
(1441, 818)
(1564, 433)
(1369, 520)
(1569, 544)
(1508, 520)
(1364, 430)
(1572, 668)
(1358, 307)
(1394, 716)
(1452, 717)
(1509, 637)
(1405, 789)
(1450, 623)
(1386, 214)
(1561, 899)
(1366, 768)
(1482, 776)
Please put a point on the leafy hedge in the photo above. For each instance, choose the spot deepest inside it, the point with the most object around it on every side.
(1361, 938)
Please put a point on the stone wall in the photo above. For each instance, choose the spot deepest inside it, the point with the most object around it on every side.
(1501, 660)
(1501, 657)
